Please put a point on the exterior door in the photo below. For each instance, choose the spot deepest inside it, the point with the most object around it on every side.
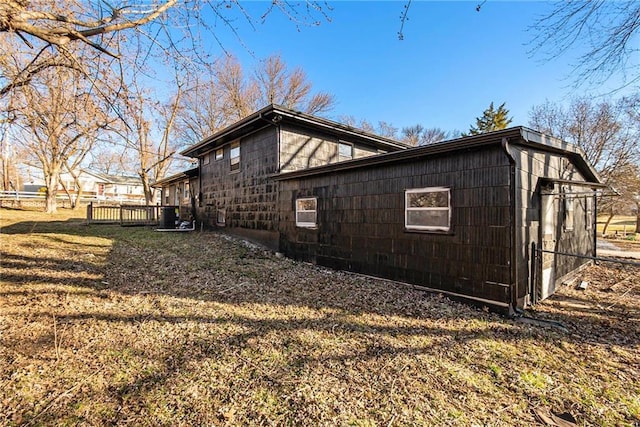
(549, 234)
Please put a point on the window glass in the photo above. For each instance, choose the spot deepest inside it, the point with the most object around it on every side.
(345, 151)
(235, 156)
(221, 218)
(428, 209)
(306, 212)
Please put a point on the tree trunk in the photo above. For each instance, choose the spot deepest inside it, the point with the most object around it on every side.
(606, 224)
(51, 182)
(637, 217)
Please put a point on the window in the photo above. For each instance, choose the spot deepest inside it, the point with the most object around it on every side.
(220, 154)
(428, 209)
(306, 212)
(345, 151)
(588, 213)
(206, 159)
(568, 204)
(186, 191)
(235, 156)
(165, 191)
(221, 217)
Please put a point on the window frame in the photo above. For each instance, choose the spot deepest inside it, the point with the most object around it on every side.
(427, 228)
(185, 190)
(306, 224)
(234, 161)
(219, 154)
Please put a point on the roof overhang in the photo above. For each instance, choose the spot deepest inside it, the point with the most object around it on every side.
(275, 115)
(515, 136)
(181, 176)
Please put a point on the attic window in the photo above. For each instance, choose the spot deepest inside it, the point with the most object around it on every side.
(235, 156)
(345, 151)
(307, 212)
(428, 209)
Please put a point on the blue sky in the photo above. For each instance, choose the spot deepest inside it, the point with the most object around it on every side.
(452, 62)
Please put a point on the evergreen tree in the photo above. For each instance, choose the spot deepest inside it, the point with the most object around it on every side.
(491, 120)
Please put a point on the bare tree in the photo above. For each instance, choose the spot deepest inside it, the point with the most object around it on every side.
(148, 132)
(609, 134)
(231, 94)
(48, 33)
(608, 29)
(58, 118)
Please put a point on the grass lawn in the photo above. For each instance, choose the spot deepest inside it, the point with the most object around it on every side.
(618, 223)
(104, 325)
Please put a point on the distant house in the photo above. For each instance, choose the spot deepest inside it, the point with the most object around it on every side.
(96, 185)
(487, 218)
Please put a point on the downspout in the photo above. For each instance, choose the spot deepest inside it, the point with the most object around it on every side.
(513, 265)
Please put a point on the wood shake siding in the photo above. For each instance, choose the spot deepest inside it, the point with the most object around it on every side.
(361, 223)
(247, 195)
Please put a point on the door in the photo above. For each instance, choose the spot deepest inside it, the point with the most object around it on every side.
(549, 234)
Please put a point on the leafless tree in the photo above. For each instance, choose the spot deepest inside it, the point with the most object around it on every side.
(607, 131)
(47, 33)
(58, 120)
(419, 135)
(147, 131)
(232, 94)
(608, 29)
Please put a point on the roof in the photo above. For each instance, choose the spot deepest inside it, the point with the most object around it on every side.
(516, 135)
(274, 115)
(114, 179)
(180, 176)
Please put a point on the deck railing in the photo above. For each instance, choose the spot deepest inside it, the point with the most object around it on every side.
(125, 214)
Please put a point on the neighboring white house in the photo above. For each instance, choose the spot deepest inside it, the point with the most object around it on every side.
(97, 185)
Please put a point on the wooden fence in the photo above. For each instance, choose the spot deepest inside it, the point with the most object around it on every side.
(125, 214)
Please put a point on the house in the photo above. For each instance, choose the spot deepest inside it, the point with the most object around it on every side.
(180, 190)
(95, 185)
(494, 219)
(237, 165)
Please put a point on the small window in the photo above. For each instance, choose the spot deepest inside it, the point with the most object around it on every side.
(569, 202)
(428, 209)
(220, 154)
(221, 217)
(588, 213)
(186, 191)
(235, 156)
(206, 159)
(306, 212)
(165, 191)
(345, 151)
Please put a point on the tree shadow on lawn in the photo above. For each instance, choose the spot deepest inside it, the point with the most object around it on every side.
(216, 268)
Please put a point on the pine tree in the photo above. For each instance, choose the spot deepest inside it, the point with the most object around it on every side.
(491, 120)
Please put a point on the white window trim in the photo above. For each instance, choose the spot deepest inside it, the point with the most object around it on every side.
(303, 224)
(407, 209)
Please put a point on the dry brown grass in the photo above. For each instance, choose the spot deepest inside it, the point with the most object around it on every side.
(105, 325)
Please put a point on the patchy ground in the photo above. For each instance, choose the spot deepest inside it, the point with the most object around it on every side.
(125, 326)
